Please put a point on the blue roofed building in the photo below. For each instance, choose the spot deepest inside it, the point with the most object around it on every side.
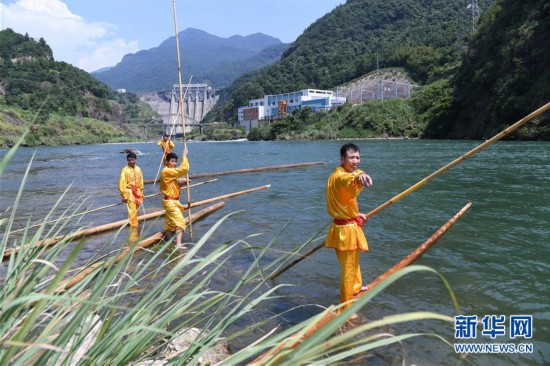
(277, 106)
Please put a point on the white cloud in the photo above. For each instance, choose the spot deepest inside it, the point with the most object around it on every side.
(87, 45)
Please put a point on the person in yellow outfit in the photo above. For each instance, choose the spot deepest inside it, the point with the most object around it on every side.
(166, 144)
(130, 185)
(345, 234)
(174, 222)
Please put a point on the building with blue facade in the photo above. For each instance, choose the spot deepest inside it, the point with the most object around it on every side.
(277, 106)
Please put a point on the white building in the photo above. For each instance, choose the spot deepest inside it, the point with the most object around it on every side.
(277, 106)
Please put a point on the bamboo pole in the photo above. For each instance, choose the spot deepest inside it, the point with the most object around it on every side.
(229, 195)
(248, 170)
(142, 244)
(418, 251)
(435, 174)
(102, 208)
(81, 233)
(117, 224)
(182, 114)
(411, 257)
(162, 160)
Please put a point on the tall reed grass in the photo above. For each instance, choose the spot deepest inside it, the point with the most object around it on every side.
(130, 311)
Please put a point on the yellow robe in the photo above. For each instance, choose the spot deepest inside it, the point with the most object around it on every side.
(348, 240)
(131, 178)
(342, 192)
(169, 187)
(167, 146)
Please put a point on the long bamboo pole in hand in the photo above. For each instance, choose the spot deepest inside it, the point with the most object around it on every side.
(435, 174)
(163, 159)
(182, 114)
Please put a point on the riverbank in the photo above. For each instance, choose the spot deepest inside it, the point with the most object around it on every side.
(62, 130)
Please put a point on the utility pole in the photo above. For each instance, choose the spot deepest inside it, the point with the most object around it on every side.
(476, 12)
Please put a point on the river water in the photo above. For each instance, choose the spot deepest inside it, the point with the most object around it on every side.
(496, 257)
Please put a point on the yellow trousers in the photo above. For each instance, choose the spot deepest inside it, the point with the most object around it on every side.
(132, 208)
(350, 275)
(173, 219)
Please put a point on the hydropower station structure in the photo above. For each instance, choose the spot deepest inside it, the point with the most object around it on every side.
(198, 100)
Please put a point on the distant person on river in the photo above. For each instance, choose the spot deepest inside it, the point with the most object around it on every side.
(345, 234)
(130, 185)
(166, 144)
(174, 222)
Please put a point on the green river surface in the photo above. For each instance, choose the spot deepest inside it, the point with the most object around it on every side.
(496, 257)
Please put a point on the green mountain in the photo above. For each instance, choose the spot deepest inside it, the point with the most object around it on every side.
(60, 103)
(215, 60)
(423, 37)
(474, 84)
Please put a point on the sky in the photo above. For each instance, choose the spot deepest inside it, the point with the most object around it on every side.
(92, 34)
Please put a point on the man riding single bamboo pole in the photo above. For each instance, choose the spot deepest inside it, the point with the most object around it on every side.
(294, 340)
(180, 107)
(142, 244)
(100, 208)
(102, 228)
(435, 174)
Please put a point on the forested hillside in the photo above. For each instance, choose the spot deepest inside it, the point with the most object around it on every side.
(424, 37)
(504, 75)
(54, 97)
(210, 59)
(473, 83)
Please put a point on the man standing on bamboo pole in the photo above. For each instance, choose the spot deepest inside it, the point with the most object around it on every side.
(130, 186)
(345, 234)
(174, 222)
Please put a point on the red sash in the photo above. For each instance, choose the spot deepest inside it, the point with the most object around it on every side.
(168, 198)
(137, 196)
(358, 220)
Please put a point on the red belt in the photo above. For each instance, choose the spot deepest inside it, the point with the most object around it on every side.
(171, 198)
(358, 220)
(137, 196)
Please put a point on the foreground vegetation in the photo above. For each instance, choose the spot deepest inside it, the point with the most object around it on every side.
(130, 311)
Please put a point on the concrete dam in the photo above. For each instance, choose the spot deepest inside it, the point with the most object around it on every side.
(197, 102)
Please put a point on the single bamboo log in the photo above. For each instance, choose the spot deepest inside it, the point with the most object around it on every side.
(117, 224)
(294, 341)
(103, 208)
(142, 244)
(435, 174)
(82, 233)
(249, 170)
(418, 251)
(229, 195)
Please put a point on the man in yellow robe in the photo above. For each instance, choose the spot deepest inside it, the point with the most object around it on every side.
(130, 185)
(170, 189)
(166, 144)
(345, 234)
